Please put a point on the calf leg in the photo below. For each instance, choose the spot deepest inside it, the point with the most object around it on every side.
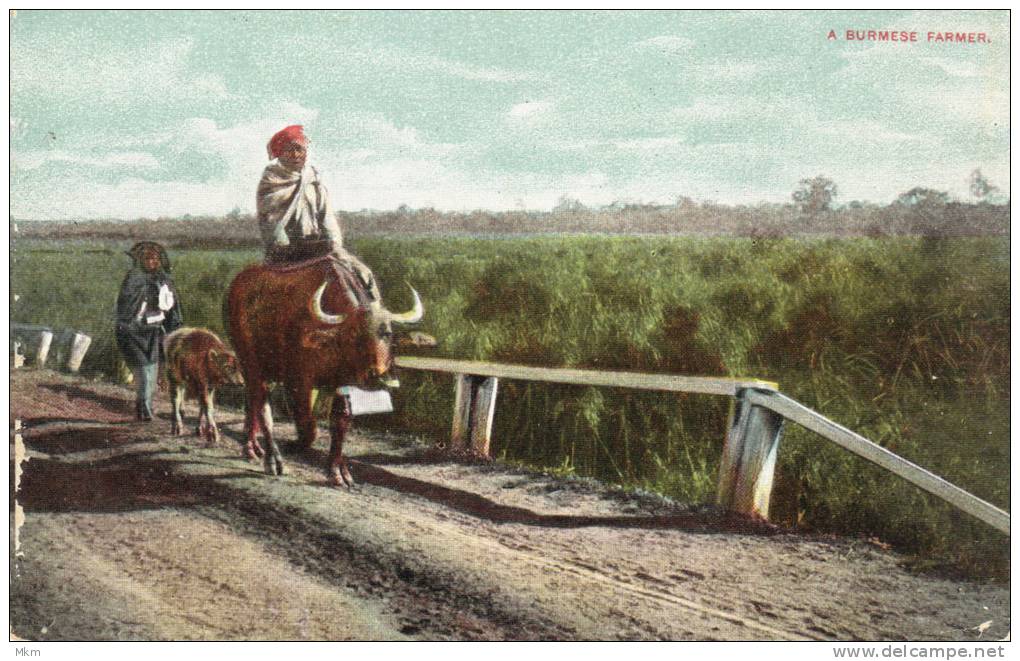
(212, 434)
(339, 423)
(203, 422)
(176, 399)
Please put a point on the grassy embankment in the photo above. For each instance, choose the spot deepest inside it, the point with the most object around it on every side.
(904, 340)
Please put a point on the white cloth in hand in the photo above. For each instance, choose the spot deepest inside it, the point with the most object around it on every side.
(166, 298)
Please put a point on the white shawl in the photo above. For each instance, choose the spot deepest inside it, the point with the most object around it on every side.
(294, 204)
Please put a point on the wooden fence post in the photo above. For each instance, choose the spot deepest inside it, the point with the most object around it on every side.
(45, 340)
(79, 346)
(749, 458)
(483, 414)
(17, 355)
(474, 408)
(460, 434)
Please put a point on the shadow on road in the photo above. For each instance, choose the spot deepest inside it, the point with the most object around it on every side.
(112, 404)
(467, 502)
(708, 522)
(82, 439)
(56, 486)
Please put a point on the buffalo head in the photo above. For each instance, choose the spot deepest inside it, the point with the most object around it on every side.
(363, 334)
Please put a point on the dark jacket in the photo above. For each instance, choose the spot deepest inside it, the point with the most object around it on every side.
(140, 342)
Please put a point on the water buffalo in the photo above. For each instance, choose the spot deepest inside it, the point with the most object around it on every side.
(197, 362)
(309, 326)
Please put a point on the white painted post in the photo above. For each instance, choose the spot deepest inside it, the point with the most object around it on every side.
(482, 414)
(749, 458)
(17, 358)
(43, 351)
(79, 345)
(462, 397)
(474, 406)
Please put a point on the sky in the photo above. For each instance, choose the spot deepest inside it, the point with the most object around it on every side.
(159, 114)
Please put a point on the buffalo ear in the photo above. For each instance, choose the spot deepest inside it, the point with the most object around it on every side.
(320, 338)
(414, 340)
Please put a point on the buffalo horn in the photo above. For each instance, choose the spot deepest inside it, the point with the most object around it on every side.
(416, 313)
(317, 308)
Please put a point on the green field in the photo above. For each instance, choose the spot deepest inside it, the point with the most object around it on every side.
(904, 340)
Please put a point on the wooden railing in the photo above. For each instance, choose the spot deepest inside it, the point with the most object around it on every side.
(752, 437)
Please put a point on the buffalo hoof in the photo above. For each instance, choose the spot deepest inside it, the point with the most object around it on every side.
(340, 477)
(273, 466)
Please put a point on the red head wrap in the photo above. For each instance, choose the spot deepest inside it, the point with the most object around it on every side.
(284, 138)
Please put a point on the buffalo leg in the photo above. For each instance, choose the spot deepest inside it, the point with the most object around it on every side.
(251, 431)
(339, 423)
(304, 419)
(257, 399)
(176, 399)
(273, 460)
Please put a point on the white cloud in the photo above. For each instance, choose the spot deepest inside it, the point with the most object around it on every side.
(32, 160)
(386, 165)
(155, 72)
(953, 93)
(342, 57)
(715, 108)
(958, 68)
(529, 110)
(371, 135)
(127, 199)
(658, 144)
(242, 146)
(729, 71)
(466, 71)
(669, 44)
(863, 130)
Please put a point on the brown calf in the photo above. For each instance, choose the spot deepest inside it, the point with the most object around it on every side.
(196, 363)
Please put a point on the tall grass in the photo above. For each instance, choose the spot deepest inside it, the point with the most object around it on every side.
(905, 340)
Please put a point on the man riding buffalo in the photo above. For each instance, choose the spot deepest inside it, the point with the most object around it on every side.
(295, 215)
(311, 317)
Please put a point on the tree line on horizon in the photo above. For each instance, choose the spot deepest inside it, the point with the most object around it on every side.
(812, 210)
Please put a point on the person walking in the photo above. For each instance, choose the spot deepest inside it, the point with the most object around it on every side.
(148, 309)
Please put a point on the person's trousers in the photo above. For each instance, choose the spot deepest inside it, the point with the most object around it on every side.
(145, 380)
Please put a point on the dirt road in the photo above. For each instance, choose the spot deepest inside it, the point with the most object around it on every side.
(131, 534)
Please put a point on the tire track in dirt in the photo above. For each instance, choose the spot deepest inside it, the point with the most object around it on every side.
(590, 573)
(455, 534)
